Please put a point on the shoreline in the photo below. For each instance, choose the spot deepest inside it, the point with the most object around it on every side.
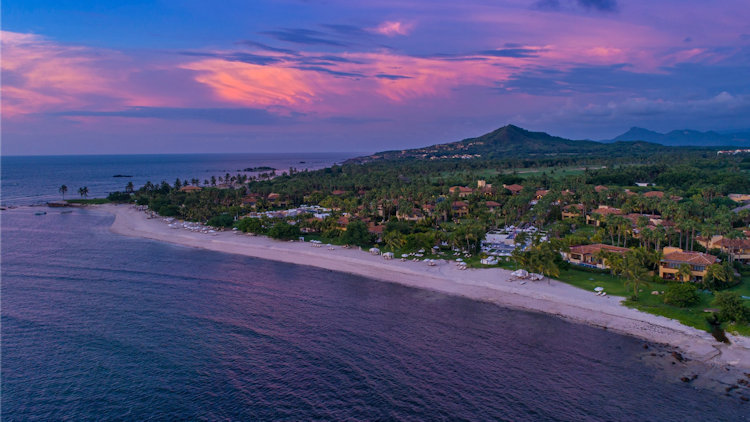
(493, 285)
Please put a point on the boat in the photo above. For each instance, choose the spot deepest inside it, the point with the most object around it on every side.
(40, 213)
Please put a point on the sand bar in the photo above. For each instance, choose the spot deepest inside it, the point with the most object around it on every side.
(491, 285)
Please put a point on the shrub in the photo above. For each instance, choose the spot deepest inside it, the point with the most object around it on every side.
(250, 225)
(681, 294)
(284, 230)
(731, 307)
(222, 220)
(119, 197)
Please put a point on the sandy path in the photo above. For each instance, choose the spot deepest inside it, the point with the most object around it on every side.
(491, 285)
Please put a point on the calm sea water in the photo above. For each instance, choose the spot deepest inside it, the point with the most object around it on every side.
(33, 180)
(97, 326)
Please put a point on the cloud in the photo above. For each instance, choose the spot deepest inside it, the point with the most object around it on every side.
(393, 28)
(330, 72)
(266, 47)
(304, 36)
(391, 77)
(236, 57)
(511, 52)
(570, 5)
(40, 74)
(232, 116)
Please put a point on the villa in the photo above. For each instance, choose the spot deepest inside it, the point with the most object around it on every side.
(737, 249)
(462, 191)
(603, 211)
(674, 258)
(460, 209)
(190, 189)
(514, 189)
(588, 255)
(572, 211)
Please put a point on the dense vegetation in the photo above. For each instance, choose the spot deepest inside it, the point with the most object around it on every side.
(403, 202)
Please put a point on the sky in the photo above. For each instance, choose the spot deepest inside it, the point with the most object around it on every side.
(84, 77)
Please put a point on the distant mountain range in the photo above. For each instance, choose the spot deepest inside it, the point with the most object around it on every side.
(514, 142)
(685, 138)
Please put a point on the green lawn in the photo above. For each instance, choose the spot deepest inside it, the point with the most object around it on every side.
(693, 316)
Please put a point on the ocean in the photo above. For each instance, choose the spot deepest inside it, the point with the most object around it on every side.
(98, 326)
(34, 180)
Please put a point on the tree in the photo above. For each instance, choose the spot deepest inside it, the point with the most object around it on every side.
(634, 272)
(357, 234)
(63, 189)
(719, 276)
(731, 307)
(84, 192)
(129, 188)
(684, 272)
(394, 239)
(284, 230)
(681, 294)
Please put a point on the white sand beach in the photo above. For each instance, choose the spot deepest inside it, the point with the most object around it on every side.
(490, 285)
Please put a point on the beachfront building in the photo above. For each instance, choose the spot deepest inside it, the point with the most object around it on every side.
(675, 258)
(503, 242)
(589, 255)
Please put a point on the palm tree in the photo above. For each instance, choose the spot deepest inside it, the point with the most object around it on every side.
(394, 240)
(129, 188)
(63, 189)
(684, 272)
(635, 274)
(84, 192)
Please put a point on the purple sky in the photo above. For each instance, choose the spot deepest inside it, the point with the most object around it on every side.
(285, 76)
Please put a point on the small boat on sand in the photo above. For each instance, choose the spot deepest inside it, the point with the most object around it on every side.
(40, 213)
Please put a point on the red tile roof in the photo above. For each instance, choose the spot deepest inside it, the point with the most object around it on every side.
(654, 194)
(595, 248)
(695, 258)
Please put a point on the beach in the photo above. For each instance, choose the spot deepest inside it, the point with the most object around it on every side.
(492, 285)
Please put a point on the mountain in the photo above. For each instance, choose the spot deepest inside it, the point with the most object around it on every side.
(685, 137)
(510, 142)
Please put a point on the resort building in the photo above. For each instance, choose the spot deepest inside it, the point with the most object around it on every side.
(492, 205)
(588, 255)
(460, 209)
(461, 191)
(572, 211)
(514, 189)
(737, 249)
(596, 216)
(190, 189)
(503, 242)
(674, 258)
(739, 197)
(485, 188)
(414, 215)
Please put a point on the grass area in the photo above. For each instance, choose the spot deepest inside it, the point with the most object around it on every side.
(588, 280)
(92, 201)
(693, 316)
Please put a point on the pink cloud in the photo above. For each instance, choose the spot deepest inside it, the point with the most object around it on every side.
(393, 28)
